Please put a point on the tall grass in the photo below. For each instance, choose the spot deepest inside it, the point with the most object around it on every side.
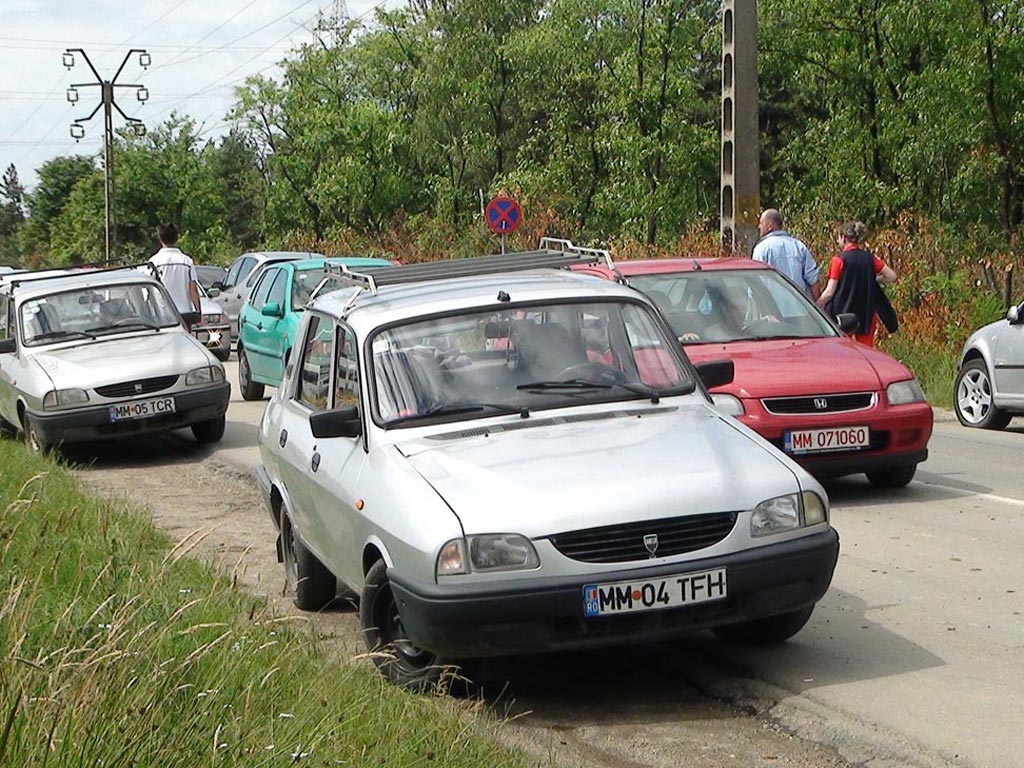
(117, 650)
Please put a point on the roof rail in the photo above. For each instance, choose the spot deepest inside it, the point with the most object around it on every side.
(18, 278)
(567, 246)
(545, 258)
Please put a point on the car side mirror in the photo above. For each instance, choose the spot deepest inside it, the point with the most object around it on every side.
(339, 422)
(8, 346)
(217, 285)
(272, 309)
(213, 292)
(1013, 315)
(847, 321)
(716, 373)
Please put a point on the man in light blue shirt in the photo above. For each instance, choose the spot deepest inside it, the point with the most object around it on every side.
(779, 249)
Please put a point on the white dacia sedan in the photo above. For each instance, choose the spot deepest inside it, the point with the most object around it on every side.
(500, 457)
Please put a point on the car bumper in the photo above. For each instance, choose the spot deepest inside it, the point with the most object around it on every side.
(217, 338)
(87, 424)
(899, 437)
(536, 615)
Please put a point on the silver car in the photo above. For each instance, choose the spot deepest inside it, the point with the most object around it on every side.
(102, 354)
(516, 462)
(989, 388)
(242, 275)
(213, 329)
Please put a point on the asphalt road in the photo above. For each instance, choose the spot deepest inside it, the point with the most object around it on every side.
(912, 658)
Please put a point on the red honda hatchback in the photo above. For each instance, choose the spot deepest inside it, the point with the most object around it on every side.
(836, 406)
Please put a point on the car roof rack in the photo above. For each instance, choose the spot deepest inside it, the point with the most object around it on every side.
(553, 254)
(93, 268)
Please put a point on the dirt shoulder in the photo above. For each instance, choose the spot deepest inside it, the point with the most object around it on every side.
(618, 707)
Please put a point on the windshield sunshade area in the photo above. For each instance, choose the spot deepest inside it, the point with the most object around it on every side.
(88, 313)
(520, 360)
(732, 305)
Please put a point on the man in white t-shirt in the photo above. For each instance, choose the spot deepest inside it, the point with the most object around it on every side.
(178, 274)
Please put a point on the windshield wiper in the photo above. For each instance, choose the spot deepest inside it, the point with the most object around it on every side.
(61, 335)
(125, 326)
(638, 388)
(453, 409)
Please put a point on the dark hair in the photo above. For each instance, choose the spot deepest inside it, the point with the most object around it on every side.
(167, 233)
(854, 231)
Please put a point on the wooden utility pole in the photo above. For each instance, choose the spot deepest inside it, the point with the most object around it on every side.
(741, 172)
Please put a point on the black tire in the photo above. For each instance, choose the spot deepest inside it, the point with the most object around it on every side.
(35, 442)
(897, 477)
(767, 631)
(312, 587)
(209, 431)
(251, 390)
(222, 354)
(972, 398)
(397, 659)
(7, 430)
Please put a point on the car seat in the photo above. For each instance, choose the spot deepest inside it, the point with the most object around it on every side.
(113, 310)
(546, 350)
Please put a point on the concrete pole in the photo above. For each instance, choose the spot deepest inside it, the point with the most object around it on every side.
(740, 177)
(108, 169)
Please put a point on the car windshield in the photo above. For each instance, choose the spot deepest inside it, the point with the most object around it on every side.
(706, 306)
(520, 360)
(92, 312)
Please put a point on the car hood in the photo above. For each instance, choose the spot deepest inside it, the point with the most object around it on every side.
(550, 476)
(791, 367)
(125, 358)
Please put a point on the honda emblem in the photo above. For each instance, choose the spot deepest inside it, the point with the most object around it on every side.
(651, 543)
(820, 403)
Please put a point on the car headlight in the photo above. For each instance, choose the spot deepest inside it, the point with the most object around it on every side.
(787, 513)
(903, 392)
(208, 374)
(62, 398)
(487, 553)
(219, 319)
(728, 405)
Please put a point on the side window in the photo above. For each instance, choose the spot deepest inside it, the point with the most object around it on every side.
(314, 385)
(231, 278)
(244, 268)
(346, 380)
(259, 296)
(4, 325)
(277, 290)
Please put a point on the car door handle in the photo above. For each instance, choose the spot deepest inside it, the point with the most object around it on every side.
(283, 439)
(259, 326)
(315, 463)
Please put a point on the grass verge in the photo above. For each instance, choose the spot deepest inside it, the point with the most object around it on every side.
(115, 650)
(934, 366)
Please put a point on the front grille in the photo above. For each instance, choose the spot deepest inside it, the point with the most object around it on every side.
(622, 543)
(856, 401)
(139, 387)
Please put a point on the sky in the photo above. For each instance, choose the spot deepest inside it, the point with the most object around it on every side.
(200, 51)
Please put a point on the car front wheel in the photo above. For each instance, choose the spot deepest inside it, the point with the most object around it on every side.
(396, 657)
(251, 390)
(973, 401)
(767, 631)
(897, 477)
(34, 440)
(209, 431)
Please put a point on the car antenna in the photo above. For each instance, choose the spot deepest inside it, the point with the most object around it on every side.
(696, 266)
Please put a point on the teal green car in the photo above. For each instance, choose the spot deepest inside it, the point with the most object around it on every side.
(269, 319)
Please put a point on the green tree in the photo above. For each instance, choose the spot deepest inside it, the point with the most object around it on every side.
(12, 213)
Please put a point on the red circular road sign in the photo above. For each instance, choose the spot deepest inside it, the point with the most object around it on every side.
(503, 215)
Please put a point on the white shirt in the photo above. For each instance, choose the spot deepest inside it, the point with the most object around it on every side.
(176, 270)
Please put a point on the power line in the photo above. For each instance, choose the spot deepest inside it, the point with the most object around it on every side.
(152, 24)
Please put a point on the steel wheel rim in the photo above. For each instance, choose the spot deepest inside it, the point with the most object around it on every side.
(394, 636)
(243, 369)
(974, 396)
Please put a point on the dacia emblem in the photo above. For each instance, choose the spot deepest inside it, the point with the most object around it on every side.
(138, 388)
(651, 543)
(820, 403)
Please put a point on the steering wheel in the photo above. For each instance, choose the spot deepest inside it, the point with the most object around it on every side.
(767, 323)
(593, 371)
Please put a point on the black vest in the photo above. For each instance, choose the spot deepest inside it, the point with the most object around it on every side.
(857, 289)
